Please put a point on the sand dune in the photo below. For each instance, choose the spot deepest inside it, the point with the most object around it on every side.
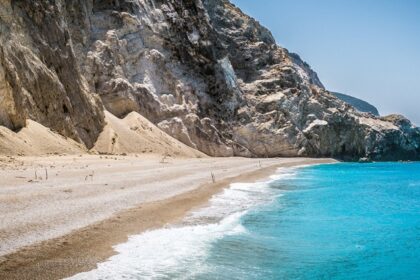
(136, 135)
(36, 139)
(132, 135)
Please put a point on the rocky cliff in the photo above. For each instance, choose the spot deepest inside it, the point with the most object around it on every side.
(357, 103)
(201, 70)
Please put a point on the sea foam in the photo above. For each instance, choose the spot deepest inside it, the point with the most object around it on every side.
(180, 251)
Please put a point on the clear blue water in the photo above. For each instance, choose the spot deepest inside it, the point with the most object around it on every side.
(339, 221)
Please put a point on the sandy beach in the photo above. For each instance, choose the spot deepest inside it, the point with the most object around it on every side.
(62, 214)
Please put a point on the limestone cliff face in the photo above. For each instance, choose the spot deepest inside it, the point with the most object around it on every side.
(201, 70)
(39, 74)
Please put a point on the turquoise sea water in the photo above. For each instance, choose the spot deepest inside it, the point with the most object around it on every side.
(338, 221)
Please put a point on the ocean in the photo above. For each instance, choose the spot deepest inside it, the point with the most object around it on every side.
(332, 221)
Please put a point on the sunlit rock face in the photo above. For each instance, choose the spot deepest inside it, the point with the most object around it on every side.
(201, 70)
(40, 78)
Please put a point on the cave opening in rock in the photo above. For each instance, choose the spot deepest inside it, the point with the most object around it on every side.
(65, 109)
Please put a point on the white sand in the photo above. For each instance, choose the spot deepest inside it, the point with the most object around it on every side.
(83, 190)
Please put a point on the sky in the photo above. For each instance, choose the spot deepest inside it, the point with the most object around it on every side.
(369, 49)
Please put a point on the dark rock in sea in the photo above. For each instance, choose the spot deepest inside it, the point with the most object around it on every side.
(201, 70)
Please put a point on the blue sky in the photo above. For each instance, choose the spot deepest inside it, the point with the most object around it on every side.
(366, 48)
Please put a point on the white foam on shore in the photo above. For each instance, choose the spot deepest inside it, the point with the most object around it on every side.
(180, 252)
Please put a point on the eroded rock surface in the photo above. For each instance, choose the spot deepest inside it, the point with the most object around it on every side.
(39, 74)
(201, 70)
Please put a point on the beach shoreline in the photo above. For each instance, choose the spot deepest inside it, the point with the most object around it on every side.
(81, 249)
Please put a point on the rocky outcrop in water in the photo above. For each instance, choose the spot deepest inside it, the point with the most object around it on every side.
(201, 70)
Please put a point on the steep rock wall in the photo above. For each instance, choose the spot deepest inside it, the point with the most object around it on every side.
(201, 70)
(39, 74)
